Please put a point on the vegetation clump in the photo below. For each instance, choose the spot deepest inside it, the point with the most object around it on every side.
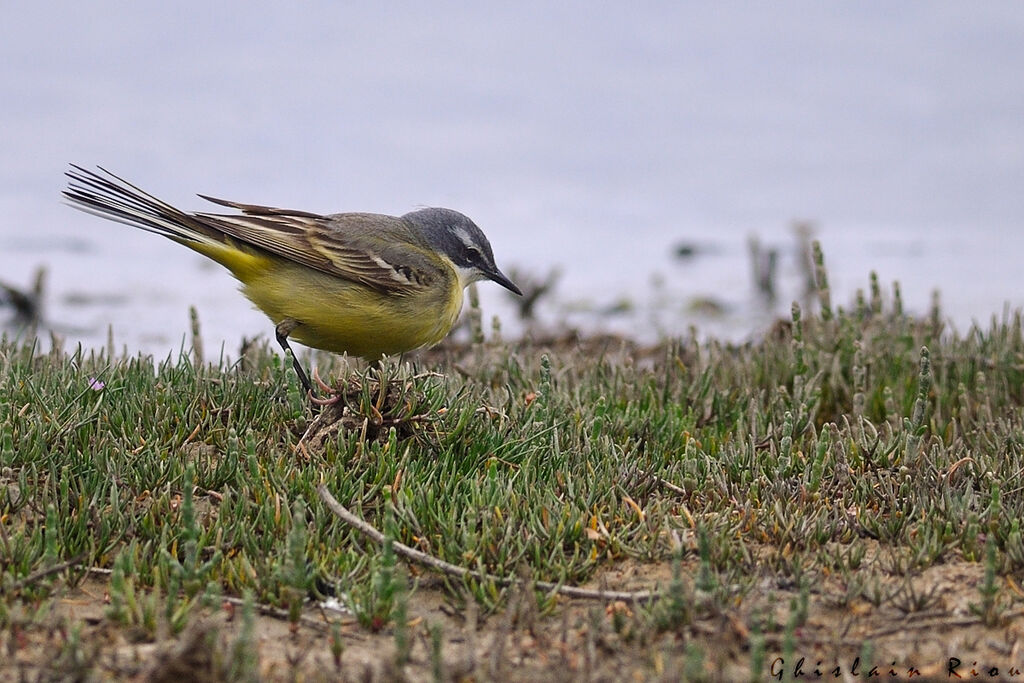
(847, 487)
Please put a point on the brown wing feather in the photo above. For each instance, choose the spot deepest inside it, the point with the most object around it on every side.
(381, 252)
(257, 210)
(353, 246)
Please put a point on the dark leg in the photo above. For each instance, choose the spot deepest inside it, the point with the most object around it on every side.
(286, 327)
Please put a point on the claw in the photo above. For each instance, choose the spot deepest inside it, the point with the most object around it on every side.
(333, 395)
(330, 401)
(324, 387)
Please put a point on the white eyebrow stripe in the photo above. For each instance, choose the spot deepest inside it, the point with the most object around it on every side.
(464, 236)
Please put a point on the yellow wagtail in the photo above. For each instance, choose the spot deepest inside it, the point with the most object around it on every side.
(360, 283)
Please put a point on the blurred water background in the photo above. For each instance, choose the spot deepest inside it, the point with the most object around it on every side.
(599, 140)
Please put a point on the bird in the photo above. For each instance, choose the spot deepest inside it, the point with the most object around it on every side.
(366, 284)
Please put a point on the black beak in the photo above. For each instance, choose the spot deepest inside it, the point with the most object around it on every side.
(499, 277)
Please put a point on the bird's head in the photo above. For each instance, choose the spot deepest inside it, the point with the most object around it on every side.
(458, 238)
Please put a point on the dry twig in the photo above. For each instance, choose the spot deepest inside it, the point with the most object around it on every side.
(454, 570)
(43, 573)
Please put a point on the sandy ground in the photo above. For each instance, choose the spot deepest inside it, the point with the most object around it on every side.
(904, 637)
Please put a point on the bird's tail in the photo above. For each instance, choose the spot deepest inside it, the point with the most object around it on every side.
(108, 196)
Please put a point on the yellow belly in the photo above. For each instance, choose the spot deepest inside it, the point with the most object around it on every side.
(346, 317)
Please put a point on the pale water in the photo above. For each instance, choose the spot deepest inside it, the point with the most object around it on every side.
(590, 138)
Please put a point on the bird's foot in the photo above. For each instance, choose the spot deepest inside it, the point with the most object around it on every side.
(332, 394)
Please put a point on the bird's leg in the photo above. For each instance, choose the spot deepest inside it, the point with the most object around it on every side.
(283, 329)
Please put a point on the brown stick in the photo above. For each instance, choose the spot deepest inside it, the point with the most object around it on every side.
(663, 482)
(454, 570)
(42, 573)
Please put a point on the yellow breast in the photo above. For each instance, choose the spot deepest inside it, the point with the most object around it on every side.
(345, 317)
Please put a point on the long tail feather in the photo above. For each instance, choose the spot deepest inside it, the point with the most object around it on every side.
(114, 198)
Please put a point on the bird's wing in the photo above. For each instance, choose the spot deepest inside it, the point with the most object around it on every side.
(375, 250)
(381, 252)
